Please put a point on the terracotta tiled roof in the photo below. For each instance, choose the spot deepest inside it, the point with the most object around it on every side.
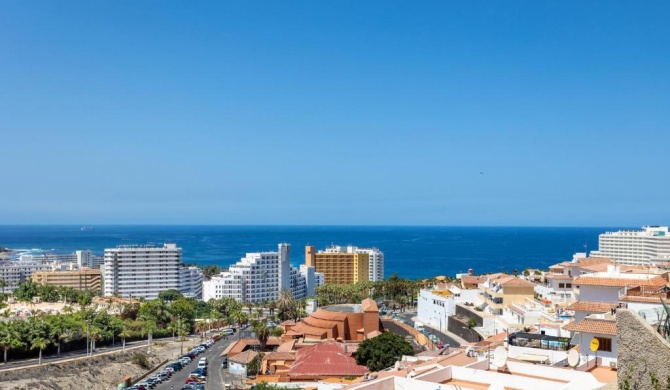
(593, 261)
(472, 279)
(288, 323)
(590, 280)
(559, 277)
(643, 299)
(593, 325)
(514, 281)
(280, 356)
(592, 306)
(245, 357)
(595, 267)
(325, 359)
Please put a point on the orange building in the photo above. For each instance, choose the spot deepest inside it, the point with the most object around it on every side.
(345, 322)
(338, 266)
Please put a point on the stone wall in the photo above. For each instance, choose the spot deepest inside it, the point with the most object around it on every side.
(643, 353)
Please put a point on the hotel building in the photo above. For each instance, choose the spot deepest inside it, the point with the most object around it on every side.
(85, 279)
(141, 271)
(260, 276)
(339, 265)
(631, 247)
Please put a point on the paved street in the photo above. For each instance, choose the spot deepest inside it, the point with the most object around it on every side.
(215, 375)
(445, 337)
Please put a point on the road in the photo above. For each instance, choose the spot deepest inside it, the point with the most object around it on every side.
(445, 338)
(215, 375)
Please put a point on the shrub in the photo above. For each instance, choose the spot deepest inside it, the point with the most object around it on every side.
(141, 360)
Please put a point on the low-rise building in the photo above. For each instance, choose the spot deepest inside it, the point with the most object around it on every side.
(500, 290)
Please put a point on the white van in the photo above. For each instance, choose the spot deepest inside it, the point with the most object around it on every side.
(228, 331)
(202, 362)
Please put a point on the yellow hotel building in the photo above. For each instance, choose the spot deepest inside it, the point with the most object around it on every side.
(337, 265)
(86, 279)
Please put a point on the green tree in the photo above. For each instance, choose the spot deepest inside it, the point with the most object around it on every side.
(40, 343)
(210, 271)
(382, 351)
(124, 334)
(10, 338)
(262, 333)
(287, 307)
(170, 295)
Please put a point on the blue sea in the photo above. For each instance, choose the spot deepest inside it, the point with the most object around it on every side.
(413, 252)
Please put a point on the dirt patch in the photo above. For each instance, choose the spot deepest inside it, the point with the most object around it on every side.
(97, 372)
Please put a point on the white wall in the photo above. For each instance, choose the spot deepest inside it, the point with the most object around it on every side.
(599, 293)
(435, 310)
(237, 369)
(583, 339)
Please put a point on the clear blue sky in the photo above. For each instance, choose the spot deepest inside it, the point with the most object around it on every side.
(340, 112)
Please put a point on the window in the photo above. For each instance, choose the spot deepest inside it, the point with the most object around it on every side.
(561, 285)
(605, 344)
(568, 285)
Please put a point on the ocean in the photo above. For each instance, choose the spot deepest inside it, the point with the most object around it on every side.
(414, 252)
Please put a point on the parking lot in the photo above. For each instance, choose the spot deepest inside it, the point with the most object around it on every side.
(216, 376)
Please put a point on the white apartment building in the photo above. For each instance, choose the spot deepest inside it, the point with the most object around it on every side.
(86, 258)
(435, 307)
(13, 272)
(630, 247)
(375, 259)
(260, 276)
(141, 271)
(190, 282)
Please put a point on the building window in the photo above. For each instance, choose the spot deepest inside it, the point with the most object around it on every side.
(605, 344)
(561, 285)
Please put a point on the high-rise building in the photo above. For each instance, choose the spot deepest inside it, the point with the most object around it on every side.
(630, 247)
(339, 265)
(141, 271)
(86, 258)
(259, 277)
(190, 282)
(13, 272)
(375, 262)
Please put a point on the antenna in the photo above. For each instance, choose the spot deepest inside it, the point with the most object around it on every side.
(573, 358)
(499, 357)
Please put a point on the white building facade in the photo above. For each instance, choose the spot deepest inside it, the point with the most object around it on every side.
(631, 247)
(260, 276)
(141, 271)
(190, 282)
(434, 309)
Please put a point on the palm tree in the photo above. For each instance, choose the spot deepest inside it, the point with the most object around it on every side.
(10, 338)
(95, 334)
(125, 333)
(40, 343)
(202, 325)
(286, 305)
(272, 305)
(148, 327)
(262, 333)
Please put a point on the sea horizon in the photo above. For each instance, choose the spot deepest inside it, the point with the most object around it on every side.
(413, 252)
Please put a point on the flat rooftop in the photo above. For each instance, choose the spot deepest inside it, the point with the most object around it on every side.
(345, 308)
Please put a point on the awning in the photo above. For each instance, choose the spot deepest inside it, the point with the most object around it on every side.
(532, 358)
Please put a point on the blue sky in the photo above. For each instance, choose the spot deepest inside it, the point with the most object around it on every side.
(341, 112)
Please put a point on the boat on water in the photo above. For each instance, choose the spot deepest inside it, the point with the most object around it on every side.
(87, 228)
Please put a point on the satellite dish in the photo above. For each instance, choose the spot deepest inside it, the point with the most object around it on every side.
(499, 357)
(573, 358)
(496, 386)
